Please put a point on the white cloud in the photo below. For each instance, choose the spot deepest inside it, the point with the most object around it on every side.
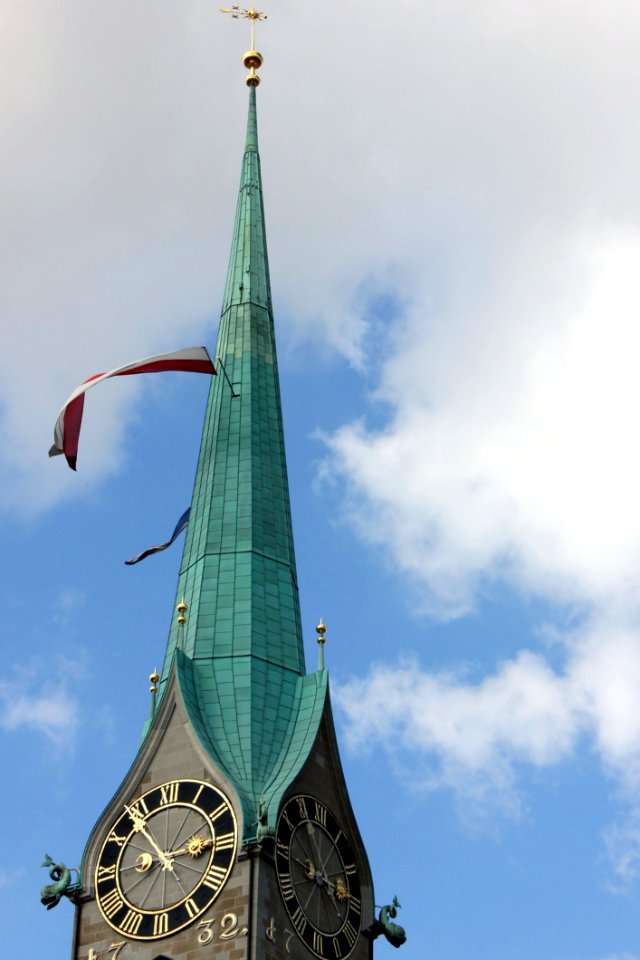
(467, 177)
(480, 738)
(519, 462)
(67, 603)
(622, 843)
(488, 179)
(622, 956)
(41, 703)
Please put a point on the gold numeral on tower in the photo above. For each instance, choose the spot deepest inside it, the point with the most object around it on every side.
(139, 808)
(200, 789)
(282, 849)
(285, 816)
(229, 926)
(299, 921)
(350, 870)
(318, 943)
(215, 877)
(191, 907)
(160, 924)
(225, 842)
(169, 793)
(116, 838)
(131, 922)
(302, 807)
(350, 933)
(106, 873)
(218, 811)
(111, 903)
(286, 886)
(337, 949)
(321, 814)
(355, 905)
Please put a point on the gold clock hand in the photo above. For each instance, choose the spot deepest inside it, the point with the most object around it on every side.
(330, 891)
(140, 826)
(194, 847)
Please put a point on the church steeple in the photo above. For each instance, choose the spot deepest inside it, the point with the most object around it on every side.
(239, 655)
(233, 825)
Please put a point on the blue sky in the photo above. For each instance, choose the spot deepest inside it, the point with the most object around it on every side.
(453, 214)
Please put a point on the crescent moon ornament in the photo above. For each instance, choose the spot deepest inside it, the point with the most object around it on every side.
(143, 862)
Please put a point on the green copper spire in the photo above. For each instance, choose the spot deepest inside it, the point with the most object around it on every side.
(239, 653)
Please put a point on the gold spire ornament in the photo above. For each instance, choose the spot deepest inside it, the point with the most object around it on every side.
(154, 679)
(252, 59)
(182, 609)
(321, 630)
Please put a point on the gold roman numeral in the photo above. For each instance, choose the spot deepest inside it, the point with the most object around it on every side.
(218, 811)
(169, 792)
(355, 905)
(111, 903)
(287, 820)
(215, 877)
(225, 842)
(286, 886)
(350, 933)
(116, 838)
(299, 920)
(318, 943)
(337, 949)
(106, 873)
(350, 870)
(282, 849)
(139, 808)
(320, 814)
(191, 907)
(160, 924)
(302, 807)
(200, 789)
(131, 922)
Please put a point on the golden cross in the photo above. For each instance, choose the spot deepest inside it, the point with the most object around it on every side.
(245, 14)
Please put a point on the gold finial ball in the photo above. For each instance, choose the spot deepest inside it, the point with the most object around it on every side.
(154, 677)
(321, 630)
(252, 60)
(182, 609)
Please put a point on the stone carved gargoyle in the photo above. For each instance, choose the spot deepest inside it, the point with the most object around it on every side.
(62, 885)
(384, 925)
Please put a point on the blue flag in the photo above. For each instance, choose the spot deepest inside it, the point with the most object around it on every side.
(180, 526)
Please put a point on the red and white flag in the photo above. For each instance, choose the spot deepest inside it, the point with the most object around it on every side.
(66, 433)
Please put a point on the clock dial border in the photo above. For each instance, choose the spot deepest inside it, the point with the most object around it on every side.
(298, 812)
(129, 919)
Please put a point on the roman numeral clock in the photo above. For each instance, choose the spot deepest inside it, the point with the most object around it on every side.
(166, 859)
(232, 835)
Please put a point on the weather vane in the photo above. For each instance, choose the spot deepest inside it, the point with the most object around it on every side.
(252, 59)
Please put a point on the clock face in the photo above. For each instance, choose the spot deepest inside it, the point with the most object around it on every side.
(318, 877)
(166, 859)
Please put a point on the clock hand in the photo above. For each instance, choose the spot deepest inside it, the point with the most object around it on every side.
(303, 863)
(140, 826)
(333, 900)
(312, 833)
(194, 846)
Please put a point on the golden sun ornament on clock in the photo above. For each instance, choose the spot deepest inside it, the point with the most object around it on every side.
(166, 858)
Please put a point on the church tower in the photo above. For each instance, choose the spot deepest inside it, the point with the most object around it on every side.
(232, 835)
